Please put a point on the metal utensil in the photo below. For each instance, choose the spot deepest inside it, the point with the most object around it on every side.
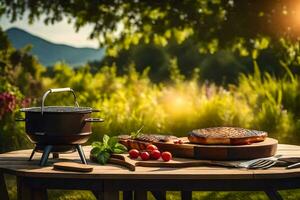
(260, 163)
(292, 166)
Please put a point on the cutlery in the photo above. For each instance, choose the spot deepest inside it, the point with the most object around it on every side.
(260, 163)
(292, 166)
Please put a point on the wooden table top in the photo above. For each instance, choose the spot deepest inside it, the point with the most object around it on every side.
(16, 163)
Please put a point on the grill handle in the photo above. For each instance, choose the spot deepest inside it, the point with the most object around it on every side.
(94, 120)
(55, 90)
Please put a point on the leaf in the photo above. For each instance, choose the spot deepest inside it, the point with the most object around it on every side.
(136, 134)
(97, 144)
(115, 150)
(105, 139)
(95, 151)
(119, 148)
(103, 157)
(112, 141)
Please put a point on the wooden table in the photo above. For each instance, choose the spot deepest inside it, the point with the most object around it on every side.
(105, 181)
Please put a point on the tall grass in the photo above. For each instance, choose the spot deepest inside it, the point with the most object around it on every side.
(258, 101)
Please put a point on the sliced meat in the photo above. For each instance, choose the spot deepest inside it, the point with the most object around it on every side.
(157, 138)
(143, 140)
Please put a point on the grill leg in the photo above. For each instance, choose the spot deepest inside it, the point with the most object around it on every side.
(32, 153)
(45, 155)
(81, 153)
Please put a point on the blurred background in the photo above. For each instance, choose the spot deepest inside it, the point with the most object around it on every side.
(170, 66)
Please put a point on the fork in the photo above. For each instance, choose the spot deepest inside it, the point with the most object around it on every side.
(260, 163)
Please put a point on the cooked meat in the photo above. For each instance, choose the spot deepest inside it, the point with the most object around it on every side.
(226, 135)
(157, 138)
(124, 137)
(151, 138)
(143, 140)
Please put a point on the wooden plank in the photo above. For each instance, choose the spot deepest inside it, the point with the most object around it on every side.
(203, 185)
(154, 173)
(31, 169)
(72, 166)
(186, 195)
(127, 195)
(266, 148)
(140, 195)
(24, 192)
(3, 189)
(39, 194)
(109, 191)
(110, 195)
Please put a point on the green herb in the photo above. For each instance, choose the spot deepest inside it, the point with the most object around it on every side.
(103, 150)
(136, 134)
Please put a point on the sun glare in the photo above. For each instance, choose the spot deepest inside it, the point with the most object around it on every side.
(295, 13)
(176, 103)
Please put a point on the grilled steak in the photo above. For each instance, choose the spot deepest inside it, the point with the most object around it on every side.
(151, 138)
(143, 140)
(157, 138)
(226, 136)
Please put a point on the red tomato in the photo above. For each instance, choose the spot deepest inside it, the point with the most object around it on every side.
(151, 147)
(166, 156)
(134, 153)
(155, 154)
(145, 155)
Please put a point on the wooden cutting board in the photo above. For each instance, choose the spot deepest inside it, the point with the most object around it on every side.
(266, 148)
(125, 161)
(72, 166)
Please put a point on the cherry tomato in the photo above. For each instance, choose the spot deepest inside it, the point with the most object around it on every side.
(166, 156)
(145, 155)
(151, 147)
(134, 153)
(155, 154)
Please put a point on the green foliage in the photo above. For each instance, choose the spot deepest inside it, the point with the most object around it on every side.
(137, 133)
(102, 150)
(130, 101)
(152, 21)
(221, 68)
(209, 24)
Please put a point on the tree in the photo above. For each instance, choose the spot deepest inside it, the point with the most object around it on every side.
(241, 26)
(224, 19)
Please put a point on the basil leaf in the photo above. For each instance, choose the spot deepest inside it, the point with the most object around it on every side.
(103, 157)
(95, 151)
(97, 144)
(119, 148)
(105, 139)
(112, 142)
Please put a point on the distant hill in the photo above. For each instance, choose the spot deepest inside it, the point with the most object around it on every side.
(49, 53)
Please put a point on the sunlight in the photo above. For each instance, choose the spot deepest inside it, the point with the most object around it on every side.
(295, 13)
(176, 103)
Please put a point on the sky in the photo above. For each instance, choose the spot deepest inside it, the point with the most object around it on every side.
(61, 33)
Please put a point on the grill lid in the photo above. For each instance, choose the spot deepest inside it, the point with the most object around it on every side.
(59, 109)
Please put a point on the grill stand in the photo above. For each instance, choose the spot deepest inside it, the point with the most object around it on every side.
(47, 149)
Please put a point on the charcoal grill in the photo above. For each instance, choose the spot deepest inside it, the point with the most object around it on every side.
(58, 129)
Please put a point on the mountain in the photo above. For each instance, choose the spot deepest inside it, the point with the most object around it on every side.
(49, 53)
